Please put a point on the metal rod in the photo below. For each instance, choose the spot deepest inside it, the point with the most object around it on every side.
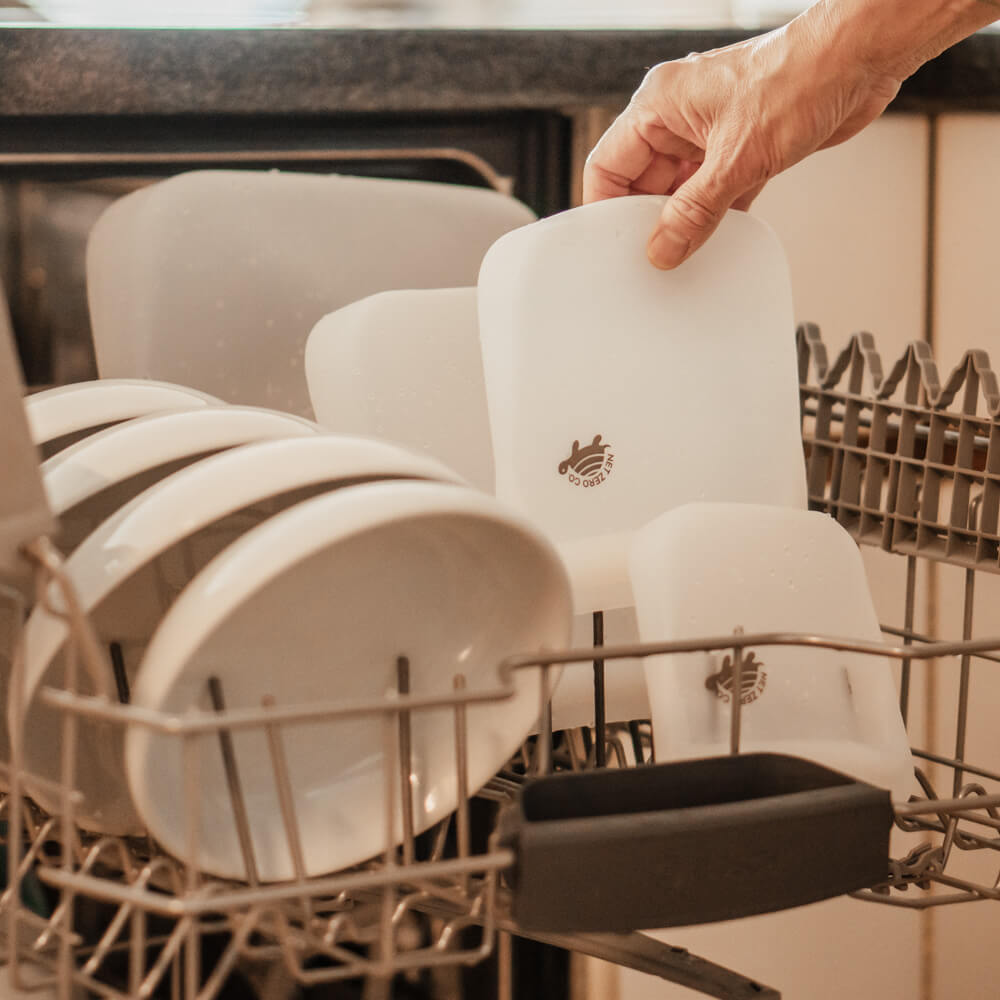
(543, 746)
(736, 704)
(600, 722)
(497, 181)
(385, 939)
(286, 803)
(935, 758)
(462, 776)
(118, 666)
(236, 798)
(962, 722)
(234, 719)
(908, 614)
(268, 895)
(921, 431)
(505, 967)
(137, 952)
(68, 829)
(635, 731)
(192, 805)
(405, 759)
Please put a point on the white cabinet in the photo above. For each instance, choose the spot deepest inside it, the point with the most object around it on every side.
(853, 220)
(966, 276)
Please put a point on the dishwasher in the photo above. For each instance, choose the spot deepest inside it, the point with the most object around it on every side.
(905, 461)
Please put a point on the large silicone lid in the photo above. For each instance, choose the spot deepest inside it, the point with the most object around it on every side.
(617, 391)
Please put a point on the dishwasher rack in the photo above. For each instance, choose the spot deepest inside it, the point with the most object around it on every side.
(903, 461)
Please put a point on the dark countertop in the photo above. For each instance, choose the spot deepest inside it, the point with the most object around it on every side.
(71, 71)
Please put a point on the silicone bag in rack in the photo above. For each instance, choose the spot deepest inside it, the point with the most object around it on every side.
(691, 842)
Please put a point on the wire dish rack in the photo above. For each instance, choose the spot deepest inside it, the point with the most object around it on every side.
(903, 461)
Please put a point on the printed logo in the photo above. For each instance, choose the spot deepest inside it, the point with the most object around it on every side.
(588, 466)
(753, 679)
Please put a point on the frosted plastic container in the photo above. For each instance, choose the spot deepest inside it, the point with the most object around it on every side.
(617, 391)
(214, 278)
(405, 366)
(705, 570)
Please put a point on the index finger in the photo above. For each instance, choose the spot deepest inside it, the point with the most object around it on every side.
(626, 150)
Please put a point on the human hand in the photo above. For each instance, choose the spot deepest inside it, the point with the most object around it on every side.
(713, 128)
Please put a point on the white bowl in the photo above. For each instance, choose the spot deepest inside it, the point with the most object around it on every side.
(61, 415)
(131, 568)
(91, 479)
(316, 605)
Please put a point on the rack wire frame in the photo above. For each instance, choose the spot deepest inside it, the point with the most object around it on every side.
(903, 461)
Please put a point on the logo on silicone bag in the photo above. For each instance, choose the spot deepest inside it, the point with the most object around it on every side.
(588, 466)
(753, 679)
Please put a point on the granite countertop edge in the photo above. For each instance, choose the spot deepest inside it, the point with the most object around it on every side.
(80, 72)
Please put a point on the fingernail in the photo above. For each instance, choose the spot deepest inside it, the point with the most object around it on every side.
(667, 249)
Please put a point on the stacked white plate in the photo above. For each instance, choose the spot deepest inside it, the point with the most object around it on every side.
(251, 547)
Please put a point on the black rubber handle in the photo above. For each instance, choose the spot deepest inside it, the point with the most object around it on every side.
(691, 842)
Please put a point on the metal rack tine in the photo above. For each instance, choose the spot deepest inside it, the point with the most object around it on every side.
(118, 666)
(600, 721)
(543, 744)
(286, 802)
(635, 732)
(908, 622)
(405, 759)
(965, 665)
(736, 701)
(462, 775)
(235, 786)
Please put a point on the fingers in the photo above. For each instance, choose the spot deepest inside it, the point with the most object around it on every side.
(637, 154)
(693, 213)
(616, 161)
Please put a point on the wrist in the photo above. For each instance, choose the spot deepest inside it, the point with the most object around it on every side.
(894, 38)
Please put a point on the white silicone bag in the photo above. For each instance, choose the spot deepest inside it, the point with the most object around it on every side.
(214, 278)
(404, 365)
(617, 391)
(705, 570)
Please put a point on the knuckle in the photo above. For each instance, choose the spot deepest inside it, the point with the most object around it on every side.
(695, 210)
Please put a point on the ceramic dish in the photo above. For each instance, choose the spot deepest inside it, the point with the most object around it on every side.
(131, 568)
(59, 416)
(91, 479)
(317, 605)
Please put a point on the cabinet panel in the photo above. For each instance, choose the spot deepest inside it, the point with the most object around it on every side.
(965, 961)
(853, 220)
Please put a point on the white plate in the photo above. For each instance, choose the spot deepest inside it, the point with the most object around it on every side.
(66, 413)
(91, 479)
(704, 570)
(135, 563)
(317, 604)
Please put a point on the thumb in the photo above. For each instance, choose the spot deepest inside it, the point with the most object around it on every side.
(691, 215)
